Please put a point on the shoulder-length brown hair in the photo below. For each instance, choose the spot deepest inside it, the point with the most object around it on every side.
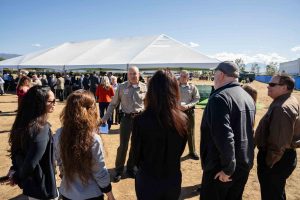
(79, 123)
(251, 91)
(163, 99)
(22, 81)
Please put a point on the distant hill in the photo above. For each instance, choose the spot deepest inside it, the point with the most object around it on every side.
(8, 55)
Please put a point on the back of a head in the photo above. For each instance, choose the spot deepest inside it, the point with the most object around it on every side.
(80, 109)
(162, 98)
(105, 82)
(113, 79)
(251, 91)
(163, 92)
(79, 123)
(229, 68)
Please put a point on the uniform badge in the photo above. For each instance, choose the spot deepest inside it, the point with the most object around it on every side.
(126, 91)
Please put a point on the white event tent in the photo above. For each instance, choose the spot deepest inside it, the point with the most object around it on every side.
(150, 52)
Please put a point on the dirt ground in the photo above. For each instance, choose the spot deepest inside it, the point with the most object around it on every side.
(123, 190)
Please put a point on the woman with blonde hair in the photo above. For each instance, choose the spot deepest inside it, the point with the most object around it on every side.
(79, 150)
(104, 94)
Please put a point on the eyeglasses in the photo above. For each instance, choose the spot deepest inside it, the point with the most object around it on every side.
(52, 102)
(274, 84)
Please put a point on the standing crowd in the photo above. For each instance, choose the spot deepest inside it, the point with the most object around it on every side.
(159, 119)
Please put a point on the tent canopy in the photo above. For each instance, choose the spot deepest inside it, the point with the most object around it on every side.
(150, 52)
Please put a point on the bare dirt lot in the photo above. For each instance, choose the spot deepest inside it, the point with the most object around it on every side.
(123, 190)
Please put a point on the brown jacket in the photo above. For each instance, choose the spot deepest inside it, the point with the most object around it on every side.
(279, 129)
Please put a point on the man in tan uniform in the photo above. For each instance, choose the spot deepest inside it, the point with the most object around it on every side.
(130, 95)
(189, 96)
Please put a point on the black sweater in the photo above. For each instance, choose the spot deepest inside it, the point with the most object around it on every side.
(157, 150)
(227, 130)
(34, 166)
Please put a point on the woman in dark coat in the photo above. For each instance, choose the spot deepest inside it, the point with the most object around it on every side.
(31, 146)
(158, 140)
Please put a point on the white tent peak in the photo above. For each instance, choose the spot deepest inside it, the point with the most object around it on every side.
(148, 52)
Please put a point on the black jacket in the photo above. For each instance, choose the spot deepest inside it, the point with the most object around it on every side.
(157, 150)
(227, 130)
(34, 166)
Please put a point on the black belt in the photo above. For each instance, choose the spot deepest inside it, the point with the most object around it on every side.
(132, 115)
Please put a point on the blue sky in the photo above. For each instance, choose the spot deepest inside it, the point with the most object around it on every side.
(256, 30)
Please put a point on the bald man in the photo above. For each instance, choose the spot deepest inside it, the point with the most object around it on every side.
(130, 95)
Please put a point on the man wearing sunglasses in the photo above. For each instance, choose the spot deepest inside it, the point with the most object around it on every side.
(276, 137)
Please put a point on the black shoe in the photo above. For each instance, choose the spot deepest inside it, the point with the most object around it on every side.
(117, 177)
(131, 173)
(194, 156)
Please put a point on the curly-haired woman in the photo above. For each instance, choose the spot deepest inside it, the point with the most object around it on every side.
(79, 150)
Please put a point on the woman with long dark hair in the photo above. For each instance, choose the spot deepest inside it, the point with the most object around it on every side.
(158, 140)
(79, 150)
(31, 147)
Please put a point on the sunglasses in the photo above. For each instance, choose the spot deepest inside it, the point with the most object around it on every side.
(52, 102)
(274, 84)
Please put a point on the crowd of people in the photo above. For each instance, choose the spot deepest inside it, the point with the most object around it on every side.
(61, 84)
(159, 118)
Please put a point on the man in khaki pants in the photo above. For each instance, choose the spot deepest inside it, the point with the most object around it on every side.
(130, 95)
(189, 96)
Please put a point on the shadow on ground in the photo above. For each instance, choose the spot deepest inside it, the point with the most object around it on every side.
(112, 173)
(184, 158)
(9, 113)
(19, 197)
(8, 102)
(113, 132)
(6, 131)
(189, 192)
